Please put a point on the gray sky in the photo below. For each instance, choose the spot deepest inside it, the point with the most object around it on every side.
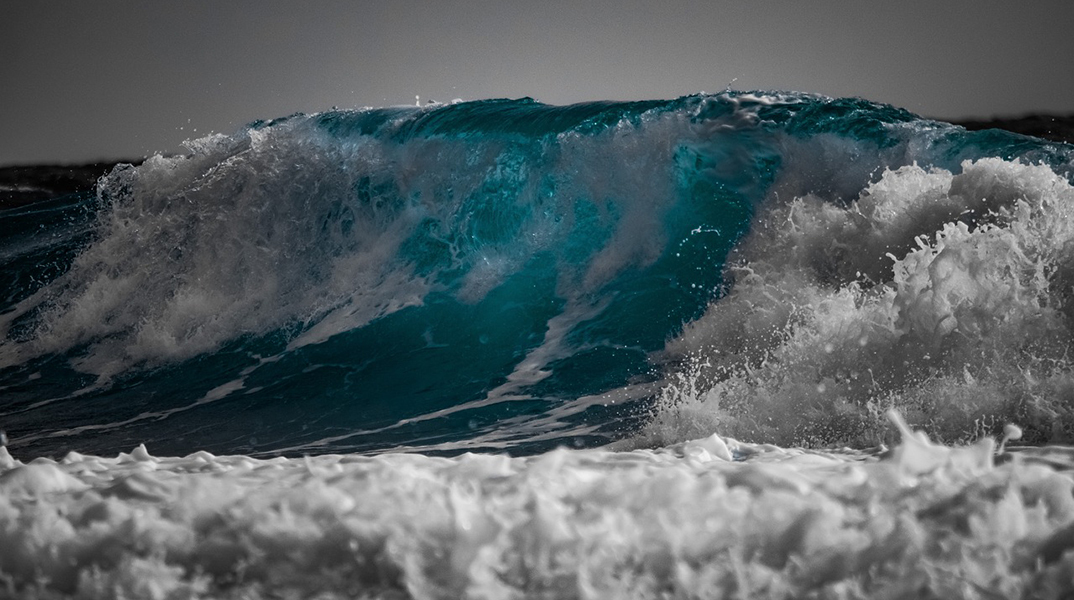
(82, 80)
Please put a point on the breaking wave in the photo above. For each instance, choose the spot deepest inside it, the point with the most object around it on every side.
(507, 275)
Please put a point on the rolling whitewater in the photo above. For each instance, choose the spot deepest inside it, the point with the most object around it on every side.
(501, 349)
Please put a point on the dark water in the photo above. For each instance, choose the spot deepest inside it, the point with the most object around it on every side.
(506, 275)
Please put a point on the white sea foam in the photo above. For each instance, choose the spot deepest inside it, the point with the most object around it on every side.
(965, 325)
(708, 518)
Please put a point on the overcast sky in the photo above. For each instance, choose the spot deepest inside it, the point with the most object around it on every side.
(83, 80)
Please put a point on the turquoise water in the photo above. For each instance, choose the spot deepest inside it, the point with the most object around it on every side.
(507, 275)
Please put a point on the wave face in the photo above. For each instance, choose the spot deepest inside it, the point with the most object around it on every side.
(507, 275)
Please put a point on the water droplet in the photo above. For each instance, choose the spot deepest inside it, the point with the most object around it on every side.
(1012, 431)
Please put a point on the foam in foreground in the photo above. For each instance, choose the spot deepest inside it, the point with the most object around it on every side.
(707, 518)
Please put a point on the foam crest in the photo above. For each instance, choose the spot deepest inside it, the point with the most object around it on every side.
(947, 296)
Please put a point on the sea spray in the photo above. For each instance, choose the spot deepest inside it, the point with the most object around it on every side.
(967, 319)
(506, 275)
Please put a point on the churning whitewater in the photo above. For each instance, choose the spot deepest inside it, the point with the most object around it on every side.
(590, 292)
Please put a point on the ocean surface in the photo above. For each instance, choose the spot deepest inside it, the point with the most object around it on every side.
(501, 349)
